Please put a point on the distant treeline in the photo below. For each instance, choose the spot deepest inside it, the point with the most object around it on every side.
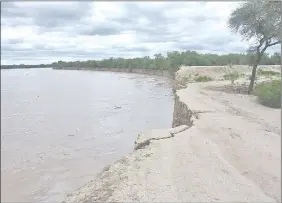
(169, 62)
(25, 66)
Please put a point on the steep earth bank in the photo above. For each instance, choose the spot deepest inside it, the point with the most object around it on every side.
(223, 147)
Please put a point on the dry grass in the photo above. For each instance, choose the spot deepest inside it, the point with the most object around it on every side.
(202, 78)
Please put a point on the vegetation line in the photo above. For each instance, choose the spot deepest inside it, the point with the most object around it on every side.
(172, 61)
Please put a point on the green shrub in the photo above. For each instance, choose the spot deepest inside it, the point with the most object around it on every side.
(202, 78)
(231, 76)
(186, 79)
(269, 94)
(267, 72)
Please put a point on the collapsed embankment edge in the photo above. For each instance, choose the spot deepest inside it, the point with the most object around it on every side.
(105, 182)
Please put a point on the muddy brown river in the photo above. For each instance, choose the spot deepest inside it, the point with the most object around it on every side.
(60, 127)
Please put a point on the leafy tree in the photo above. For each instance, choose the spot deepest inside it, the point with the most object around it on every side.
(258, 20)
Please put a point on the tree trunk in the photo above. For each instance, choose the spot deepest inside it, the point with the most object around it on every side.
(254, 71)
(281, 70)
(251, 85)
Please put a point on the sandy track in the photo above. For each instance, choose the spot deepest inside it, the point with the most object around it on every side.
(247, 134)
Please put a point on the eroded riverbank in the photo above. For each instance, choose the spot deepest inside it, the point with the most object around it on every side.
(230, 153)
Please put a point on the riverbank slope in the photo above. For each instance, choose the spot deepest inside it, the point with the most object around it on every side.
(144, 71)
(227, 149)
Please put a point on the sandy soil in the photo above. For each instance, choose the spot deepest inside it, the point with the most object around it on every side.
(232, 153)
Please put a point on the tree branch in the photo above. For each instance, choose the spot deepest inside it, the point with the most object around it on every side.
(266, 46)
(263, 50)
(261, 41)
(274, 43)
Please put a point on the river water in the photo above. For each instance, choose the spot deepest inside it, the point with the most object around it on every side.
(60, 127)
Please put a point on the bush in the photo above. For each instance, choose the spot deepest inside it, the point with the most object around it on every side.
(203, 78)
(187, 79)
(267, 72)
(269, 94)
(231, 76)
(184, 80)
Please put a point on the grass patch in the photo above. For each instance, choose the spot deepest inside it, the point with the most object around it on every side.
(269, 94)
(231, 76)
(184, 80)
(203, 78)
(267, 72)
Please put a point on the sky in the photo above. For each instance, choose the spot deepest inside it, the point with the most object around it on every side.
(45, 32)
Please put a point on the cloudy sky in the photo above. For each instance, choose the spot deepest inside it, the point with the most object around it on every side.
(44, 32)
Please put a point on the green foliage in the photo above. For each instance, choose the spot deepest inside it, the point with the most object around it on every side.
(269, 94)
(267, 72)
(231, 76)
(203, 78)
(171, 62)
(259, 19)
(185, 80)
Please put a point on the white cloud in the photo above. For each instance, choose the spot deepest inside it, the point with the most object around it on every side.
(44, 32)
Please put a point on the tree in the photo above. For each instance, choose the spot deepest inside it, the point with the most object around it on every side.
(258, 20)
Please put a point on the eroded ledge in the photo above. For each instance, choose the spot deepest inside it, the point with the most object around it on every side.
(144, 139)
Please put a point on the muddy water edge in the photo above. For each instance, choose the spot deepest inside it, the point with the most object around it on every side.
(62, 167)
